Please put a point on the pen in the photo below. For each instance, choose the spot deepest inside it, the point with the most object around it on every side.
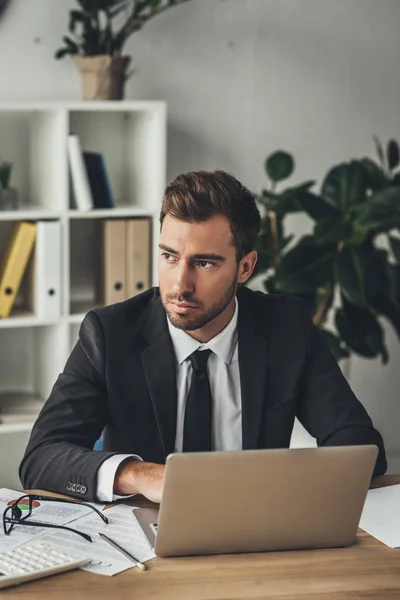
(141, 566)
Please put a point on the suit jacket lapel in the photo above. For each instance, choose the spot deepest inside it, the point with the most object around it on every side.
(158, 360)
(253, 355)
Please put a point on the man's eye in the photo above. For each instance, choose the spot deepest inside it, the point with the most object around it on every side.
(167, 256)
(205, 264)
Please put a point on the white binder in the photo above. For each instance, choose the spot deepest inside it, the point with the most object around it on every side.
(47, 270)
(80, 181)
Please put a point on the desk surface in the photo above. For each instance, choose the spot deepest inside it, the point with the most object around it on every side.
(368, 570)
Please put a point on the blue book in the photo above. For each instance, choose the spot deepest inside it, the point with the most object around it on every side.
(98, 180)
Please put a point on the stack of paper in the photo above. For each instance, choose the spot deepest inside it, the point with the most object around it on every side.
(381, 515)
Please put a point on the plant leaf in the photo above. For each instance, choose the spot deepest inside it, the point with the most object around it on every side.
(379, 151)
(350, 267)
(315, 206)
(390, 310)
(361, 331)
(62, 52)
(269, 285)
(334, 343)
(119, 8)
(395, 247)
(75, 16)
(381, 211)
(279, 165)
(332, 229)
(284, 203)
(288, 201)
(344, 186)
(71, 44)
(377, 281)
(393, 273)
(396, 179)
(264, 246)
(305, 267)
(374, 176)
(392, 154)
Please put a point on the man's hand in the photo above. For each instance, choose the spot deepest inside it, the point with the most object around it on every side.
(136, 477)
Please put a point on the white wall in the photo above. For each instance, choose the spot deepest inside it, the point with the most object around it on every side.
(243, 78)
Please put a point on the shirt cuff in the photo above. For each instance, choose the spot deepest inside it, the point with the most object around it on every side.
(106, 477)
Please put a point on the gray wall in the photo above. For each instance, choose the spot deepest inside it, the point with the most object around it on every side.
(243, 78)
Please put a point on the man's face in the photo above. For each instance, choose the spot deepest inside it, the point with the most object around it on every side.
(198, 274)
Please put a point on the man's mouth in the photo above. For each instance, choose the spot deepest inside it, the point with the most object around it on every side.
(183, 308)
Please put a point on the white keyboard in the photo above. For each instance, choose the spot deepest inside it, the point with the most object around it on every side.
(34, 560)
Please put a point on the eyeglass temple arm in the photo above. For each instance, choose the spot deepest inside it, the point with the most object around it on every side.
(38, 524)
(55, 499)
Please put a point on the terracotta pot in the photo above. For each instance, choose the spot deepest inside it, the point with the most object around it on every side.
(103, 76)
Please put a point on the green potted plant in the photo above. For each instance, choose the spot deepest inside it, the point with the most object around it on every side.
(8, 195)
(97, 44)
(348, 269)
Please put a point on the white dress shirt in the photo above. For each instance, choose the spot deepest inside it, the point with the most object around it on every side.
(224, 377)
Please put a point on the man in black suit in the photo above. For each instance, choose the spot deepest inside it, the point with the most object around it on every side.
(202, 363)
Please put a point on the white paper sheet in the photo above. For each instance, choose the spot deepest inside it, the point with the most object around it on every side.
(20, 535)
(123, 528)
(381, 515)
(47, 511)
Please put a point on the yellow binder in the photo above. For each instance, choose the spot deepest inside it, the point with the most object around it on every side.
(14, 264)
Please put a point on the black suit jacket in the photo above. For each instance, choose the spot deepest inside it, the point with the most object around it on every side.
(121, 378)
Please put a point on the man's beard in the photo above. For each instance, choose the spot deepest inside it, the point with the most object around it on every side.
(191, 323)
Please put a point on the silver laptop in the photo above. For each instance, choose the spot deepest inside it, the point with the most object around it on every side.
(260, 500)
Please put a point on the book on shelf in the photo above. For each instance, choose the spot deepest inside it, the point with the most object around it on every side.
(79, 177)
(19, 407)
(14, 264)
(124, 258)
(98, 180)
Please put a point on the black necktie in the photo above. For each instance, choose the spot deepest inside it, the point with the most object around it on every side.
(197, 426)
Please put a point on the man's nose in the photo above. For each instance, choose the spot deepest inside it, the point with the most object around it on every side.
(184, 283)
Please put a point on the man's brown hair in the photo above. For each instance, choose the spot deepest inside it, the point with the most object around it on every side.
(199, 195)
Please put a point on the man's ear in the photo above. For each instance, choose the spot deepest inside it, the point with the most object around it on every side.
(246, 266)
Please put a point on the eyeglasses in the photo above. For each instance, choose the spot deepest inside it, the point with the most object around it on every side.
(13, 514)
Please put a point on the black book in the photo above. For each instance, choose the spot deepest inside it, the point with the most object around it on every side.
(98, 180)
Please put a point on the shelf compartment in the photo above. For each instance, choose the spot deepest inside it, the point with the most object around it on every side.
(34, 142)
(31, 359)
(133, 145)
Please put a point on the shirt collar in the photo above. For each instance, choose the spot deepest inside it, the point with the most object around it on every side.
(223, 344)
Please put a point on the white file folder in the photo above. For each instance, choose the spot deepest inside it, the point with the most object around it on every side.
(47, 270)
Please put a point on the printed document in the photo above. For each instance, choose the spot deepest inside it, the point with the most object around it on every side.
(57, 513)
(122, 528)
(381, 515)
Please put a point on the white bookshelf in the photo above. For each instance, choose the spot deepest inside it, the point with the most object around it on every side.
(33, 136)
